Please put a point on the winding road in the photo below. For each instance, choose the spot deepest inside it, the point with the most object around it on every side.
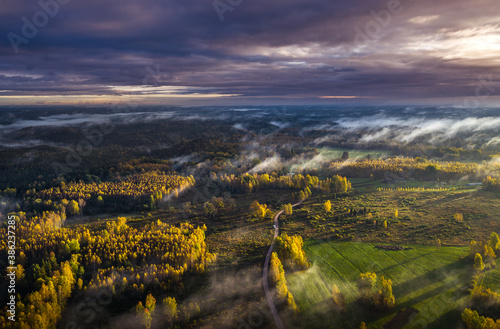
(265, 272)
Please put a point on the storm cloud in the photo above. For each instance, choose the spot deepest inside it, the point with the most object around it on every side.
(249, 52)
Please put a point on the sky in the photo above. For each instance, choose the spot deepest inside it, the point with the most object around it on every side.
(230, 52)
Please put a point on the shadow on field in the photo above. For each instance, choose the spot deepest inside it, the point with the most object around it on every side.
(405, 262)
(457, 276)
(450, 319)
(461, 267)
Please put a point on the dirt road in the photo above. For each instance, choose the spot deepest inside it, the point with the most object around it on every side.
(265, 273)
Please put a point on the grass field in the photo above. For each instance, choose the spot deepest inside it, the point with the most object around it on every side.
(423, 216)
(430, 279)
(336, 153)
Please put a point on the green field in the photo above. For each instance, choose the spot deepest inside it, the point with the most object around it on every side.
(336, 153)
(423, 216)
(430, 279)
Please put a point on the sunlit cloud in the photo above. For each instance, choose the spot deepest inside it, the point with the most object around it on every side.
(287, 50)
(423, 19)
(339, 97)
(470, 43)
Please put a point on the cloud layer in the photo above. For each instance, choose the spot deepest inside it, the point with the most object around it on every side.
(293, 50)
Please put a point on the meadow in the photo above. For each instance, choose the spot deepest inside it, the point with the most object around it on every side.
(184, 229)
(336, 153)
(433, 280)
(425, 213)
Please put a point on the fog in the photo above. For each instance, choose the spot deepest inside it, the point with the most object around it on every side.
(476, 127)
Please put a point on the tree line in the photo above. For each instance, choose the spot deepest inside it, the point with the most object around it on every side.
(248, 183)
(137, 191)
(407, 166)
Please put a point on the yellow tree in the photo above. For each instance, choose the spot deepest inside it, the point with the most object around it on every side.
(170, 309)
(366, 284)
(494, 241)
(275, 268)
(338, 299)
(277, 274)
(151, 304)
(386, 298)
(473, 320)
(327, 205)
(262, 211)
(478, 262)
(72, 208)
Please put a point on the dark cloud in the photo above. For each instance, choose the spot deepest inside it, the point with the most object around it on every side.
(280, 49)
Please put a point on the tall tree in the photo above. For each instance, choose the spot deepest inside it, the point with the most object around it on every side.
(170, 311)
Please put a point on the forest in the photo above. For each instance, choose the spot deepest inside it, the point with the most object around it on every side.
(171, 228)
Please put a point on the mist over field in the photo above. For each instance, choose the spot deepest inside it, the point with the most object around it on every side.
(432, 125)
(249, 164)
(372, 212)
